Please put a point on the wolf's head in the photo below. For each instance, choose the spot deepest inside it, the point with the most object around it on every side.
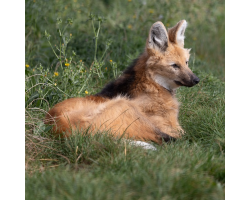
(167, 61)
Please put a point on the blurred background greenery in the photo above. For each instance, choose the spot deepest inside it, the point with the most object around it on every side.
(127, 24)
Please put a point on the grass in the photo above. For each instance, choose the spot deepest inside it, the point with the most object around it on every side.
(101, 166)
(166, 174)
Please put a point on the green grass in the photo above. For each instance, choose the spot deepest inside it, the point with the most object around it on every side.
(178, 171)
(101, 166)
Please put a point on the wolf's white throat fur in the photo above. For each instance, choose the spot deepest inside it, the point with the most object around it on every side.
(165, 82)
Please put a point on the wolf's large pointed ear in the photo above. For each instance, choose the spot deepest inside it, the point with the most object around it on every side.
(158, 37)
(176, 33)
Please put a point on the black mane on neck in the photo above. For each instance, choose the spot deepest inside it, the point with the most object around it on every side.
(122, 85)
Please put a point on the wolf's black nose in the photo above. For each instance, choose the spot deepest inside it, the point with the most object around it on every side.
(196, 80)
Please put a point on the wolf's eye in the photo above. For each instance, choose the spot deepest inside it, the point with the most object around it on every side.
(175, 66)
(186, 62)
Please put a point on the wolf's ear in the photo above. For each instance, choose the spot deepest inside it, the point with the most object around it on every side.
(176, 33)
(158, 37)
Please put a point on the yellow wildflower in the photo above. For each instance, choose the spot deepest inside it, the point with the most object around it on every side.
(129, 26)
(70, 35)
(106, 68)
(66, 64)
(86, 92)
(80, 60)
(111, 61)
(129, 0)
(194, 38)
(55, 84)
(56, 73)
(27, 66)
(134, 16)
(151, 11)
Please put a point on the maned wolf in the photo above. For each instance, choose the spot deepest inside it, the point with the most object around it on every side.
(141, 103)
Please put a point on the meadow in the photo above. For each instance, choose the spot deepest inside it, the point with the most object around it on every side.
(73, 48)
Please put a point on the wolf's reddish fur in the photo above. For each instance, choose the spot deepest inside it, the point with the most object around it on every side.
(141, 103)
